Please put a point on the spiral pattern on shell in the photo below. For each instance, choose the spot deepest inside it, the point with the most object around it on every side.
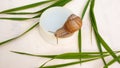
(72, 24)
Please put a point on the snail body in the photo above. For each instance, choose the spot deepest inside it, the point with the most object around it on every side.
(58, 22)
(72, 24)
(62, 33)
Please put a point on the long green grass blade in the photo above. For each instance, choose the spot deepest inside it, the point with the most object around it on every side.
(17, 19)
(97, 40)
(76, 56)
(79, 33)
(105, 45)
(68, 64)
(6, 41)
(65, 55)
(111, 62)
(85, 8)
(98, 52)
(58, 3)
(94, 25)
(62, 56)
(100, 49)
(19, 13)
(45, 63)
(37, 16)
(72, 63)
(21, 19)
(45, 56)
(25, 7)
(84, 55)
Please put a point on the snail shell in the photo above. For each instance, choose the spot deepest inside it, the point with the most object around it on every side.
(72, 24)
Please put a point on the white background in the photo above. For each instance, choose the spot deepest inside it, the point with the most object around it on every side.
(108, 19)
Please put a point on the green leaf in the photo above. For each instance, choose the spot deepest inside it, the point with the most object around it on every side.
(37, 16)
(111, 62)
(77, 62)
(68, 64)
(94, 25)
(25, 7)
(6, 41)
(45, 63)
(17, 19)
(58, 3)
(21, 19)
(21, 13)
(45, 56)
(105, 45)
(97, 40)
(76, 56)
(84, 55)
(79, 33)
(73, 63)
(92, 55)
(85, 8)
(100, 49)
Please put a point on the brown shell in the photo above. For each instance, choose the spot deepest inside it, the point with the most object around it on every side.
(72, 24)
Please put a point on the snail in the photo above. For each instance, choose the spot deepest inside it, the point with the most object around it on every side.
(72, 24)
